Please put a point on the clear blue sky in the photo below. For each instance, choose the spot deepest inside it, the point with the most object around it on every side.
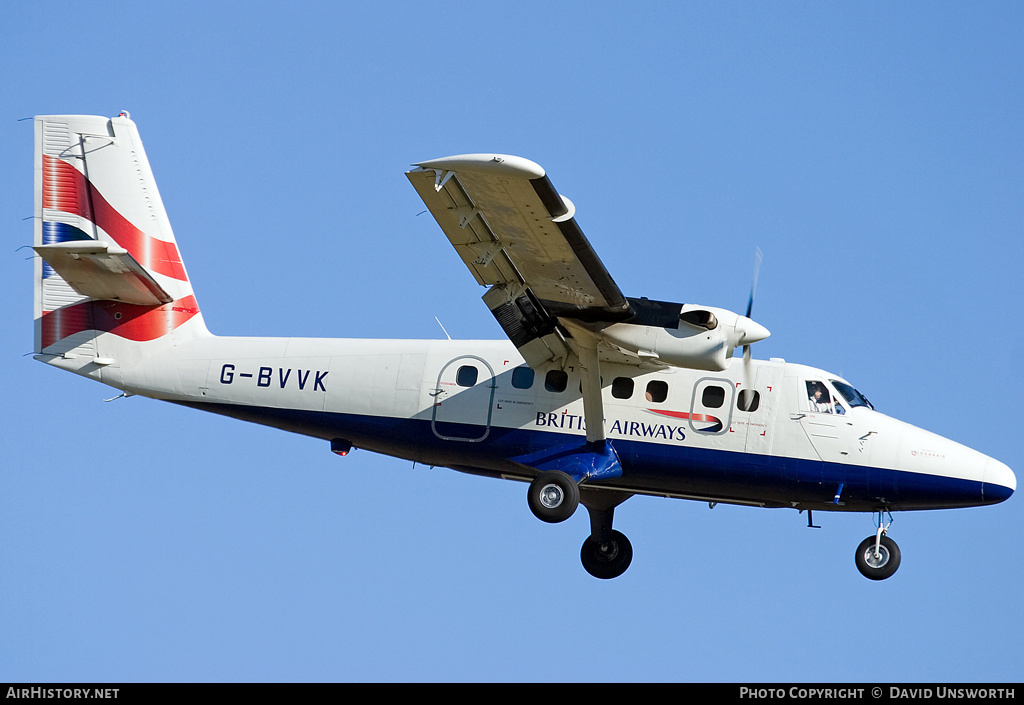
(873, 151)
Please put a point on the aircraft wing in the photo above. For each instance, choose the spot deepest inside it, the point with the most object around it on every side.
(518, 235)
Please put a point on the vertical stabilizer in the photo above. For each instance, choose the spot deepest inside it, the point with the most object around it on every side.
(109, 276)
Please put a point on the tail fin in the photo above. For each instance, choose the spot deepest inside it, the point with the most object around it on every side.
(110, 273)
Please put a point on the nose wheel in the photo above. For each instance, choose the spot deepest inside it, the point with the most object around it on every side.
(878, 556)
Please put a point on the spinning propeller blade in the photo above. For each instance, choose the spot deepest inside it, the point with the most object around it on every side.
(758, 257)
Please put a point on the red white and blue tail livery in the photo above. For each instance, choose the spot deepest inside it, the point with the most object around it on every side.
(109, 272)
(593, 397)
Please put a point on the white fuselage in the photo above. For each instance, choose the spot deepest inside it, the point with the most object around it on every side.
(677, 432)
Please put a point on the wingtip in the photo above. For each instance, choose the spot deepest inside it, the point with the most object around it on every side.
(487, 163)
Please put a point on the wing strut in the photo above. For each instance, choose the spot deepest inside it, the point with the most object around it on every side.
(590, 378)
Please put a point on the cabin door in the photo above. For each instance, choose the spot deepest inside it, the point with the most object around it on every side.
(826, 422)
(711, 406)
(463, 399)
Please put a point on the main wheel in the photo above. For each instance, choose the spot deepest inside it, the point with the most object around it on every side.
(553, 496)
(608, 560)
(881, 566)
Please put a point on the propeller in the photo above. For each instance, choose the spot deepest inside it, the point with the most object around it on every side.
(758, 257)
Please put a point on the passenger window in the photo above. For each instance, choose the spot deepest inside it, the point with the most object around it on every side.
(522, 377)
(713, 397)
(818, 398)
(748, 400)
(466, 376)
(622, 387)
(556, 381)
(657, 391)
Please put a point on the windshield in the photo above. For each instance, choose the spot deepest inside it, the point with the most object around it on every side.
(852, 396)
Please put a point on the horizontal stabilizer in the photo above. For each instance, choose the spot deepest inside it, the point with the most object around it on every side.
(103, 271)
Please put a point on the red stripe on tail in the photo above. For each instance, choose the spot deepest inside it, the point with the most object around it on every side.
(65, 188)
(129, 321)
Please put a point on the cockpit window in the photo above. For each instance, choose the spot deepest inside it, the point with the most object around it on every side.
(818, 398)
(851, 395)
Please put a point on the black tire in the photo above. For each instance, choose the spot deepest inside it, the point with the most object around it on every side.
(553, 496)
(609, 561)
(882, 567)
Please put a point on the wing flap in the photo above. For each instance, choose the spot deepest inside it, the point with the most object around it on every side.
(460, 219)
(519, 236)
(511, 227)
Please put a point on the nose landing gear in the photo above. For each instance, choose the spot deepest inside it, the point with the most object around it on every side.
(878, 556)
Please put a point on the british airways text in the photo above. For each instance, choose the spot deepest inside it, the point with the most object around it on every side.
(626, 428)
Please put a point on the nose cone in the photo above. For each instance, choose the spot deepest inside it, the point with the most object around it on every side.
(748, 331)
(942, 474)
(999, 482)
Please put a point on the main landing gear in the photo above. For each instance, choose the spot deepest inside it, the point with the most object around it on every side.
(878, 556)
(554, 496)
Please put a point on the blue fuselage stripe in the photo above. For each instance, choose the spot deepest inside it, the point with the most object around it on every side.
(647, 467)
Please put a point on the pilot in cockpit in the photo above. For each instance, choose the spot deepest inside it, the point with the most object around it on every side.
(818, 399)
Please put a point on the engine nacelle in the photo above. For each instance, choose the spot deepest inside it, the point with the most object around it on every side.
(701, 337)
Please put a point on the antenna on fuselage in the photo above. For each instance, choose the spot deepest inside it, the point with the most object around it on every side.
(442, 327)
